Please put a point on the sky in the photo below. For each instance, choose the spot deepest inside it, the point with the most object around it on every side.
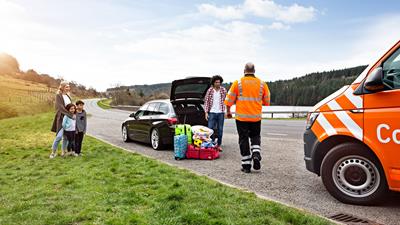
(106, 43)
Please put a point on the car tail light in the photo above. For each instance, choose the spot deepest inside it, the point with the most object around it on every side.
(172, 121)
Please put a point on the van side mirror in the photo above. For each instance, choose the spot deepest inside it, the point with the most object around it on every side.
(374, 81)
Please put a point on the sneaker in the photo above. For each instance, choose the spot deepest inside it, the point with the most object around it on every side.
(62, 153)
(75, 154)
(53, 155)
(256, 161)
(246, 170)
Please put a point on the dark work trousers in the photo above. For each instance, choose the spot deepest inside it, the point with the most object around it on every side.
(70, 135)
(78, 142)
(248, 130)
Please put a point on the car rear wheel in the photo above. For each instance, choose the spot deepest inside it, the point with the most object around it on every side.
(352, 174)
(155, 139)
(125, 134)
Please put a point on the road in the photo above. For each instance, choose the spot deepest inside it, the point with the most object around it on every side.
(283, 176)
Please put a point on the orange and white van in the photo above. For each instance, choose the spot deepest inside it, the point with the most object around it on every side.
(352, 137)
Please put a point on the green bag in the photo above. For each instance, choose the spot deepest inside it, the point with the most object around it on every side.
(184, 129)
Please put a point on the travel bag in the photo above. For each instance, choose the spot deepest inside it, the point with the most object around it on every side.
(180, 146)
(184, 129)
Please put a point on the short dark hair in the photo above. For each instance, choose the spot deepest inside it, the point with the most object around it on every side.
(215, 78)
(79, 102)
(70, 105)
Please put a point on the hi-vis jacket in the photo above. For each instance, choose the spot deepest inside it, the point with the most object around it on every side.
(250, 94)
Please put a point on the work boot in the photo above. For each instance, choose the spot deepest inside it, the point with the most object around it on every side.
(256, 160)
(246, 168)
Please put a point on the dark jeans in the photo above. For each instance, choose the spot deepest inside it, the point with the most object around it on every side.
(78, 142)
(216, 120)
(248, 130)
(70, 135)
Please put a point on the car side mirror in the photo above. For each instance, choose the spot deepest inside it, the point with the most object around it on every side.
(133, 115)
(374, 81)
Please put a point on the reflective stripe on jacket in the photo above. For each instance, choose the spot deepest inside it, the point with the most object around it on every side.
(249, 94)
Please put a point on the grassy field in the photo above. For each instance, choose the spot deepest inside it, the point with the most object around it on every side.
(104, 103)
(20, 97)
(110, 186)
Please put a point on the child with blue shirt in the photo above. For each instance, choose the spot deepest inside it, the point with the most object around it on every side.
(69, 125)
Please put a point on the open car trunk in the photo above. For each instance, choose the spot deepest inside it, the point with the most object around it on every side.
(190, 112)
(187, 98)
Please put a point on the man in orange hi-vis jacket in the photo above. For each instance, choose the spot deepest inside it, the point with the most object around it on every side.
(249, 94)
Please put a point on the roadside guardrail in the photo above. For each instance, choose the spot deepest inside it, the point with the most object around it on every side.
(291, 113)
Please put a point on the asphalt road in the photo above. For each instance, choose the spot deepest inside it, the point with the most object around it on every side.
(283, 176)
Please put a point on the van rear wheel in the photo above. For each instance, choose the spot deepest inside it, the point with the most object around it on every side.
(352, 174)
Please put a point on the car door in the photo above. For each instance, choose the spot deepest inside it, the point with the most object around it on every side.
(135, 126)
(146, 121)
(382, 115)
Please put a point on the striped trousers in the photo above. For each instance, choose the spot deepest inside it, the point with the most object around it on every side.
(248, 131)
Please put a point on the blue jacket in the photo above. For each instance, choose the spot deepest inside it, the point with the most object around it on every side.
(68, 124)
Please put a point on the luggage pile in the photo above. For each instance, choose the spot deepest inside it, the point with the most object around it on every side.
(194, 143)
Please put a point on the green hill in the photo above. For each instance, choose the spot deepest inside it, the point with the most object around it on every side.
(304, 91)
(311, 88)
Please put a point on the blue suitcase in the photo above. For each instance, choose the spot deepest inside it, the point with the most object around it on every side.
(180, 146)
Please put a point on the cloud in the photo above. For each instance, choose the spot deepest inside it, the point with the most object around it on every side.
(289, 14)
(200, 50)
(376, 38)
(10, 8)
(261, 8)
(224, 13)
(278, 26)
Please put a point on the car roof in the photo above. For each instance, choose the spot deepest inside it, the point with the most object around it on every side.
(159, 100)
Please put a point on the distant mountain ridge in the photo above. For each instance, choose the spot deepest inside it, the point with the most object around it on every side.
(306, 90)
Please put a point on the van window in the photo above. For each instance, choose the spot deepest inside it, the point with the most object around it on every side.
(391, 71)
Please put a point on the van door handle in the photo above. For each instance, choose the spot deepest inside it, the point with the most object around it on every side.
(357, 110)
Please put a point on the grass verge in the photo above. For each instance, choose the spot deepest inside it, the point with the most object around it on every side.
(110, 186)
(104, 103)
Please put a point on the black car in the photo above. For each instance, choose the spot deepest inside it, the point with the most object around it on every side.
(154, 122)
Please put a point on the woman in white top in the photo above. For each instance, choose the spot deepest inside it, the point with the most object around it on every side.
(62, 99)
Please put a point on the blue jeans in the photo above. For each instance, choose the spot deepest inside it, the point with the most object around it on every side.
(216, 120)
(59, 136)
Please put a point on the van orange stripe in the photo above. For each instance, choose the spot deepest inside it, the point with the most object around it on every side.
(345, 103)
(319, 131)
(341, 129)
(325, 108)
(357, 118)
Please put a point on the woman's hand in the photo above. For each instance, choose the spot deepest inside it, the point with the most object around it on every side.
(206, 116)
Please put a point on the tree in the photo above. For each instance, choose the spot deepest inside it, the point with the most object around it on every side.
(8, 65)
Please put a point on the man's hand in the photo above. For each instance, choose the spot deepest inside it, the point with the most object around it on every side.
(228, 112)
(206, 115)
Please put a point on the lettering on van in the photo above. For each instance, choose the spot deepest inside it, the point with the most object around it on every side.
(386, 139)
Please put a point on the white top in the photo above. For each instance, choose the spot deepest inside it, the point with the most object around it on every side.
(72, 127)
(67, 100)
(216, 106)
